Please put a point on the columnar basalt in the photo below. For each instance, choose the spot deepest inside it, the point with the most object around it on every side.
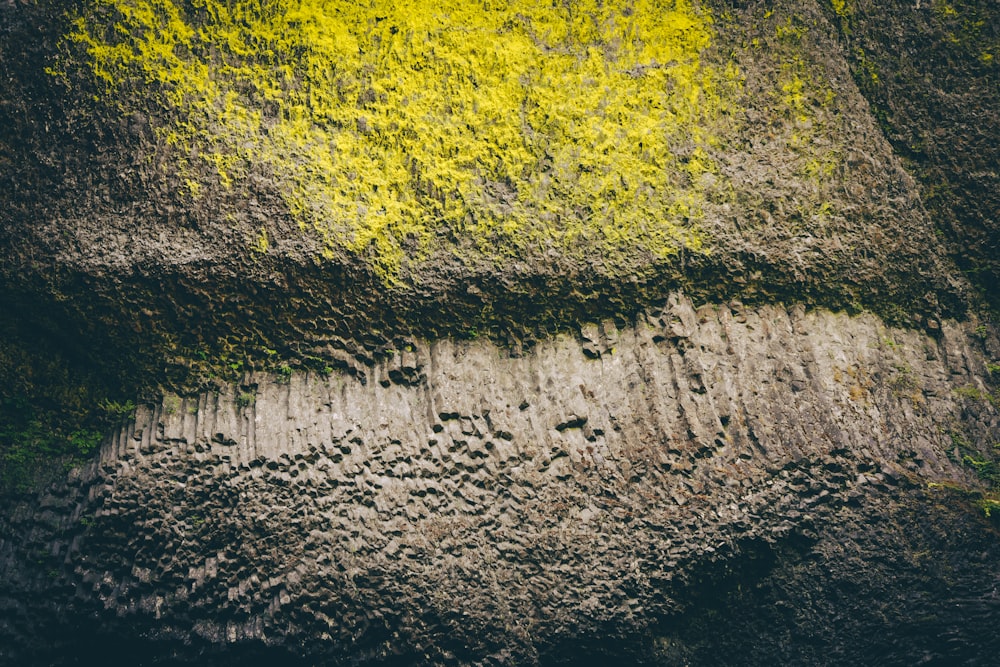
(464, 505)
(618, 331)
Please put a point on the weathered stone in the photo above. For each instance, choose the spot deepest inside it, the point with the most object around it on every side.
(485, 518)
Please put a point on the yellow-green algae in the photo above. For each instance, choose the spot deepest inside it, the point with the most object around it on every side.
(521, 124)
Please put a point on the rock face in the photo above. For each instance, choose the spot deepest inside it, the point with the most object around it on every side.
(618, 494)
(672, 347)
(932, 73)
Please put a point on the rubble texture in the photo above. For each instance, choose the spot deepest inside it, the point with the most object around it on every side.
(606, 494)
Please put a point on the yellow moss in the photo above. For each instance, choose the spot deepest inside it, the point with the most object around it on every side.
(793, 95)
(193, 187)
(522, 124)
(867, 66)
(944, 9)
(261, 243)
(842, 8)
(790, 30)
(822, 167)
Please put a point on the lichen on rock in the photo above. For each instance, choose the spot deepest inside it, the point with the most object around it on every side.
(516, 124)
(416, 351)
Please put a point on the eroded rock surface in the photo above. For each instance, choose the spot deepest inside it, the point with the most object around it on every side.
(435, 472)
(605, 495)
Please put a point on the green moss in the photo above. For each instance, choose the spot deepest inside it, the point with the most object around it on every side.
(245, 399)
(986, 467)
(31, 442)
(976, 394)
(580, 126)
(988, 503)
(51, 414)
(117, 412)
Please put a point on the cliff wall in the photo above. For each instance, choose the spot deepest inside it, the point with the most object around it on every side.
(604, 494)
(657, 332)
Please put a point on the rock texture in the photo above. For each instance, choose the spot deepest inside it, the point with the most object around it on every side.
(932, 73)
(520, 450)
(616, 494)
(805, 201)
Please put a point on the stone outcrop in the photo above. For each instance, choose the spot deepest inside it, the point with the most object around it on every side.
(931, 71)
(605, 494)
(736, 403)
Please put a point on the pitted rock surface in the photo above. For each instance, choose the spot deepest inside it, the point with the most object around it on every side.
(463, 506)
